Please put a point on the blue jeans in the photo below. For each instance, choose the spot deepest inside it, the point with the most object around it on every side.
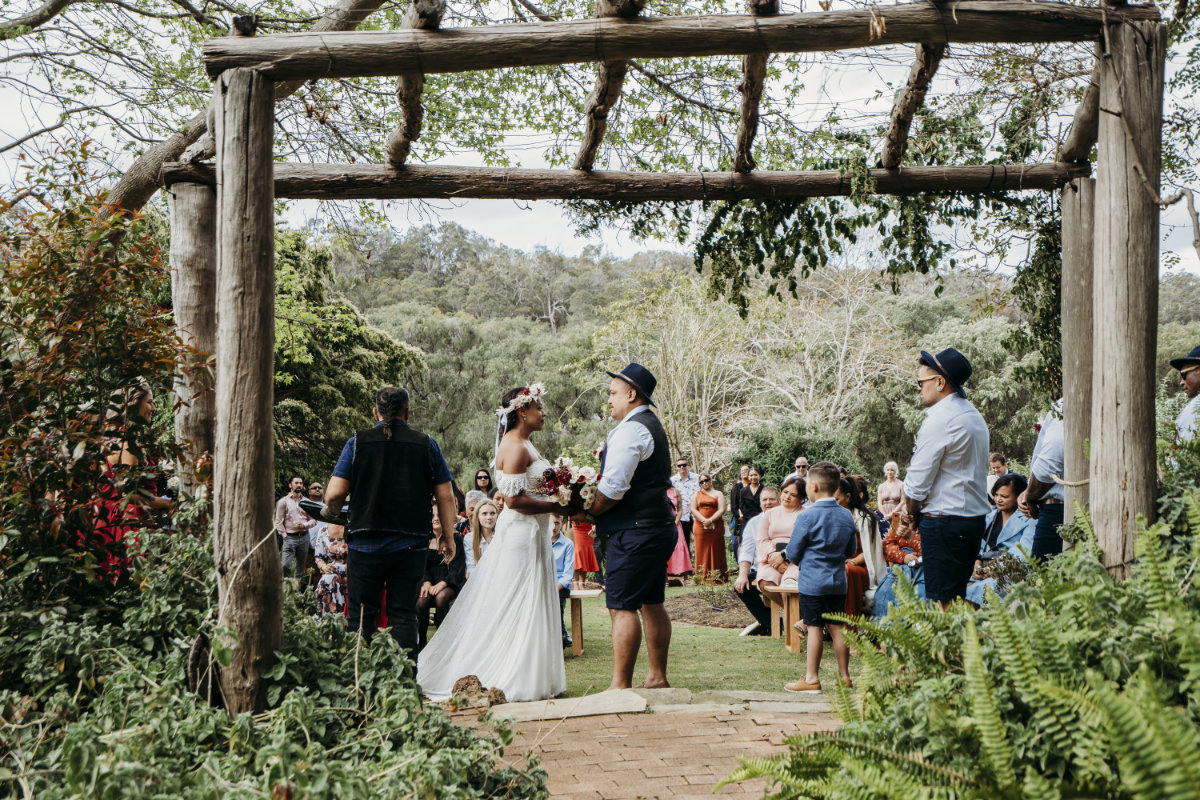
(885, 593)
(1046, 541)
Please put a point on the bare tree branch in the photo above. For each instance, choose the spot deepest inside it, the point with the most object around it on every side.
(34, 19)
(62, 121)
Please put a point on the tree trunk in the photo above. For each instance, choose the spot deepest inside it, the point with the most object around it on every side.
(249, 576)
(1125, 294)
(194, 298)
(1078, 214)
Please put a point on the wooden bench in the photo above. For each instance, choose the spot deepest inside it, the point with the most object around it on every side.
(577, 596)
(784, 605)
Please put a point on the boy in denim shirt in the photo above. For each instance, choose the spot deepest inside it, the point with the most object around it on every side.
(822, 540)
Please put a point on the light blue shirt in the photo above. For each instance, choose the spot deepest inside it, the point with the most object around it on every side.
(469, 551)
(748, 549)
(564, 560)
(628, 445)
(949, 466)
(1185, 423)
(1049, 453)
(1016, 534)
(686, 488)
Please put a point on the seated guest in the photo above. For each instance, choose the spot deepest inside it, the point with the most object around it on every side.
(564, 569)
(1007, 531)
(483, 528)
(900, 554)
(483, 482)
(443, 581)
(773, 534)
(745, 587)
(865, 569)
(330, 556)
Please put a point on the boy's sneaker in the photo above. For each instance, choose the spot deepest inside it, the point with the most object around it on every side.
(750, 629)
(802, 686)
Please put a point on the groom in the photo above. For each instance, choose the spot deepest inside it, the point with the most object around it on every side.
(632, 510)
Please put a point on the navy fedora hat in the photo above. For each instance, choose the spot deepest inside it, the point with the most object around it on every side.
(1191, 358)
(951, 365)
(639, 378)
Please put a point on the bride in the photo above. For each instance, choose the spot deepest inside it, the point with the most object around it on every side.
(505, 627)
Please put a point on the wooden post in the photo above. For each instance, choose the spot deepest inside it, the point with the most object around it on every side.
(193, 208)
(249, 576)
(1125, 294)
(1078, 213)
(754, 73)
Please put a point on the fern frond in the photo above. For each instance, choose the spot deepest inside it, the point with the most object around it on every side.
(1012, 646)
(844, 706)
(1170, 740)
(848, 744)
(992, 737)
(1155, 568)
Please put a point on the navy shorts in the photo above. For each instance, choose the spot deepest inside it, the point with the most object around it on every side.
(636, 567)
(949, 547)
(814, 607)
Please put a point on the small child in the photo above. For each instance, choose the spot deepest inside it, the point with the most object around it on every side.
(822, 540)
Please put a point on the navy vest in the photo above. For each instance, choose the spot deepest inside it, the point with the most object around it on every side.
(645, 504)
(391, 482)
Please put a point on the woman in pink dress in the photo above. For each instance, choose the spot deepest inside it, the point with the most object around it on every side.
(680, 562)
(776, 529)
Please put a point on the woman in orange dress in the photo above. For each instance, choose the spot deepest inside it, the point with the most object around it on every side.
(585, 552)
(708, 531)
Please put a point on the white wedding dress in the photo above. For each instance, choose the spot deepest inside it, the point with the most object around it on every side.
(505, 626)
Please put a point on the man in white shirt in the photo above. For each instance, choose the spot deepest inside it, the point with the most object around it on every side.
(801, 472)
(686, 485)
(632, 510)
(1043, 499)
(1189, 379)
(946, 482)
(747, 557)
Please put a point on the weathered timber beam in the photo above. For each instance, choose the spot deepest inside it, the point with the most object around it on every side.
(293, 56)
(911, 97)
(1085, 127)
(374, 181)
(421, 15)
(610, 77)
(754, 72)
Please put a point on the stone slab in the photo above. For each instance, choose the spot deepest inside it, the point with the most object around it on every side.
(697, 708)
(818, 706)
(622, 701)
(658, 697)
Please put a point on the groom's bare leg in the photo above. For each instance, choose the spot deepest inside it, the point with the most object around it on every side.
(626, 638)
(658, 642)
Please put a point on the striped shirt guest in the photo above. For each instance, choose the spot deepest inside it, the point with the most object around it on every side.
(945, 487)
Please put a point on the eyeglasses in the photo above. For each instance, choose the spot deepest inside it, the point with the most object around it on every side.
(314, 486)
(802, 466)
(1192, 368)
(481, 475)
(706, 480)
(681, 464)
(922, 380)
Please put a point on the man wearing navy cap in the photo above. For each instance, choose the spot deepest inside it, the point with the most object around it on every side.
(1189, 378)
(945, 487)
(632, 511)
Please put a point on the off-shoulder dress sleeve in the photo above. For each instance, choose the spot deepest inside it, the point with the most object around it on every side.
(511, 485)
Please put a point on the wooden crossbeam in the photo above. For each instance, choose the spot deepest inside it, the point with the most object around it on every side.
(754, 72)
(421, 15)
(376, 181)
(1085, 127)
(610, 77)
(293, 56)
(911, 97)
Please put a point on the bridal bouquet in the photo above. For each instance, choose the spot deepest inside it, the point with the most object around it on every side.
(569, 484)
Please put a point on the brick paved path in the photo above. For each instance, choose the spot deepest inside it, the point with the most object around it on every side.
(676, 753)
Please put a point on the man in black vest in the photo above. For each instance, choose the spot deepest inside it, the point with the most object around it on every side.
(391, 472)
(633, 513)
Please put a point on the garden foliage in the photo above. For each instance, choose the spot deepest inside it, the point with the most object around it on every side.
(1073, 685)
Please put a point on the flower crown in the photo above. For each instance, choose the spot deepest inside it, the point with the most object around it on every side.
(528, 396)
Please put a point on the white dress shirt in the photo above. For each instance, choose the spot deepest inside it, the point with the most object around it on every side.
(686, 488)
(628, 445)
(1185, 423)
(1049, 454)
(748, 549)
(949, 466)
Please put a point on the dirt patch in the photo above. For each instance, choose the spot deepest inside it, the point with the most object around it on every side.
(696, 608)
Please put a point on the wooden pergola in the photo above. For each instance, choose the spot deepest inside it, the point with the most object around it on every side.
(222, 219)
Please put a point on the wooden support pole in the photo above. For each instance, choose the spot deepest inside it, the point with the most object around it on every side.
(1125, 294)
(610, 78)
(911, 97)
(1085, 126)
(1078, 214)
(375, 181)
(193, 211)
(754, 73)
(421, 15)
(296, 56)
(249, 577)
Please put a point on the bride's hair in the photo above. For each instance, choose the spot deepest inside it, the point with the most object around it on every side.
(475, 526)
(510, 421)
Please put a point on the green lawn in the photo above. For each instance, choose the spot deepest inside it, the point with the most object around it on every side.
(702, 659)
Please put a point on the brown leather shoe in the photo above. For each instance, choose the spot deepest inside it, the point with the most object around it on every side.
(802, 686)
(846, 682)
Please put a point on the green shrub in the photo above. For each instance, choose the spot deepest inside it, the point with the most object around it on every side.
(773, 449)
(1073, 685)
